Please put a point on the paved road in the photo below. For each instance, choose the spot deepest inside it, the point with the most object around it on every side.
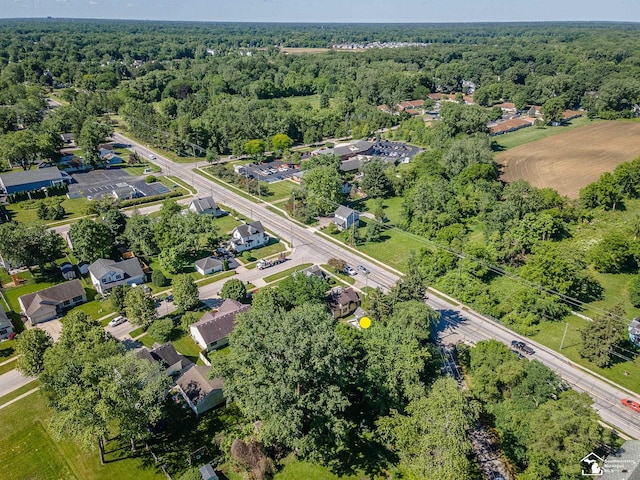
(474, 327)
(12, 380)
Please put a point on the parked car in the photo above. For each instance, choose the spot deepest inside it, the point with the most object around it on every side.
(631, 404)
(517, 344)
(363, 269)
(169, 298)
(119, 320)
(349, 270)
(528, 350)
(518, 354)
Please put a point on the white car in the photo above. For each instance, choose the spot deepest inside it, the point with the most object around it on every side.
(152, 157)
(119, 320)
(349, 270)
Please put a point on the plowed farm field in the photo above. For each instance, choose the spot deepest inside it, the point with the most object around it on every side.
(572, 160)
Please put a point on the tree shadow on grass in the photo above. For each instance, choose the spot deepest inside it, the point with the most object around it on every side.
(362, 455)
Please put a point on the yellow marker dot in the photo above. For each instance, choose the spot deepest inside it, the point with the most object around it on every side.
(365, 322)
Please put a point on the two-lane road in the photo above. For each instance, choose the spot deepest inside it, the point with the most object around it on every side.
(473, 327)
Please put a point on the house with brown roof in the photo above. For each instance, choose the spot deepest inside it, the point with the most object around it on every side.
(343, 301)
(199, 391)
(212, 330)
(52, 302)
(511, 125)
(167, 356)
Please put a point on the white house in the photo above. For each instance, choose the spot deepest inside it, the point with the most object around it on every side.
(205, 206)
(106, 274)
(208, 265)
(248, 236)
(51, 302)
(6, 327)
(213, 329)
(345, 217)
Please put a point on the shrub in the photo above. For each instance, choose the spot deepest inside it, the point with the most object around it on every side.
(150, 179)
(161, 330)
(158, 279)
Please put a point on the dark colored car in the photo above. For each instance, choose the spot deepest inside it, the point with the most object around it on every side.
(518, 354)
(517, 344)
(528, 350)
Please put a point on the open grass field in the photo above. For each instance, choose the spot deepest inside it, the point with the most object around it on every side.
(531, 134)
(30, 452)
(27, 211)
(570, 161)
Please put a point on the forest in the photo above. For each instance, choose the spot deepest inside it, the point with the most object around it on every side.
(525, 255)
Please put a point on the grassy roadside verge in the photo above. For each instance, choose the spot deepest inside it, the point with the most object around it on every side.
(228, 186)
(16, 393)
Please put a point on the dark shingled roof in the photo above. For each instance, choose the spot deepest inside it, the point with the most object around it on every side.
(130, 267)
(30, 176)
(195, 383)
(52, 295)
(247, 229)
(215, 326)
(208, 262)
(203, 204)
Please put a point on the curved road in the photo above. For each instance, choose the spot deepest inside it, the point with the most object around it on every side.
(456, 320)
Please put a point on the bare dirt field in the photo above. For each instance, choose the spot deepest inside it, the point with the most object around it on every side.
(572, 160)
(302, 51)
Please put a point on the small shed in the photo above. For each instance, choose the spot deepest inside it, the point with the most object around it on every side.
(68, 272)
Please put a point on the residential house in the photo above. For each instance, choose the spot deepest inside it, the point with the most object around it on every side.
(507, 107)
(343, 301)
(248, 236)
(167, 356)
(68, 272)
(511, 125)
(345, 217)
(51, 302)
(622, 465)
(353, 164)
(213, 329)
(106, 274)
(314, 271)
(205, 206)
(634, 331)
(69, 139)
(200, 392)
(29, 180)
(6, 327)
(208, 265)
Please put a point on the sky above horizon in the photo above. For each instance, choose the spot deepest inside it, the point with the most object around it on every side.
(342, 11)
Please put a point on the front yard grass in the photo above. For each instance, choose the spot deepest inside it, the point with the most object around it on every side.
(32, 453)
(286, 273)
(531, 134)
(7, 367)
(279, 191)
(7, 350)
(16, 393)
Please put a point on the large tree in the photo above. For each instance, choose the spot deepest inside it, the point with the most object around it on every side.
(300, 289)
(140, 306)
(139, 233)
(185, 292)
(603, 338)
(375, 182)
(29, 244)
(91, 240)
(431, 439)
(286, 369)
(26, 147)
(31, 346)
(93, 133)
(322, 185)
(281, 142)
(234, 289)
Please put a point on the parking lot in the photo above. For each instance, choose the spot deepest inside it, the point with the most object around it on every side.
(97, 183)
(400, 152)
(271, 172)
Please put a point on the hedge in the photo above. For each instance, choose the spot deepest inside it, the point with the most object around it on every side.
(149, 199)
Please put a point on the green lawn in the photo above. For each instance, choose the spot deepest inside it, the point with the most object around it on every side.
(16, 393)
(286, 273)
(7, 367)
(206, 174)
(182, 183)
(531, 134)
(295, 469)
(279, 190)
(26, 212)
(31, 453)
(272, 248)
(226, 223)
(392, 208)
(187, 347)
(12, 294)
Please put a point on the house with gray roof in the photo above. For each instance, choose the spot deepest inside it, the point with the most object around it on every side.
(248, 236)
(29, 180)
(212, 330)
(199, 391)
(52, 302)
(348, 150)
(208, 265)
(345, 217)
(167, 356)
(205, 206)
(106, 273)
(634, 331)
(6, 327)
